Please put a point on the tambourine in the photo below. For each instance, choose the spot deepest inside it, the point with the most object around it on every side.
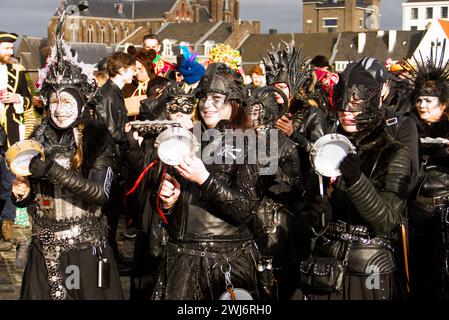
(240, 294)
(174, 143)
(327, 153)
(19, 155)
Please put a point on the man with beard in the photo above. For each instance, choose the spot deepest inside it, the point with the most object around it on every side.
(15, 98)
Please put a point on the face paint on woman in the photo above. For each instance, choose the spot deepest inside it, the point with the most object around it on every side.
(213, 109)
(63, 109)
(429, 108)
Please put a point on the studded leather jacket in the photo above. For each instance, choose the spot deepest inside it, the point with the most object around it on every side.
(66, 203)
(68, 195)
(222, 207)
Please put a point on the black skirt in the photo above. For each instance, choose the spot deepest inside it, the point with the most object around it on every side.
(35, 284)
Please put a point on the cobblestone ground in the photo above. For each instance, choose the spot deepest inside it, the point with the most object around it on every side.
(11, 277)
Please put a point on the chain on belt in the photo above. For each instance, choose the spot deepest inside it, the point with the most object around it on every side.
(53, 244)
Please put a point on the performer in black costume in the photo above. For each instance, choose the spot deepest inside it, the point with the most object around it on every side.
(66, 191)
(365, 208)
(429, 205)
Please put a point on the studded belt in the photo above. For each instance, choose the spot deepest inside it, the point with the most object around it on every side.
(224, 257)
(53, 244)
(348, 237)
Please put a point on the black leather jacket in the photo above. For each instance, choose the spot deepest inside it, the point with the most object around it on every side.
(89, 185)
(375, 202)
(112, 112)
(222, 207)
(309, 125)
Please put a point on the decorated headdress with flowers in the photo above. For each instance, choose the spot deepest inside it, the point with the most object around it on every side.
(225, 54)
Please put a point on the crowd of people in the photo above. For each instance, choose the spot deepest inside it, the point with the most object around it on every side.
(229, 228)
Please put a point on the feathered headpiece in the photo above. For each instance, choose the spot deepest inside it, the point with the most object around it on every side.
(434, 69)
(287, 66)
(63, 69)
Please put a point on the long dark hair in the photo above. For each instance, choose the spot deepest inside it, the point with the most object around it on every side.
(239, 119)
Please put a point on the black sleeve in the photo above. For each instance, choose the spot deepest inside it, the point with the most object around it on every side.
(95, 188)
(382, 209)
(408, 135)
(23, 90)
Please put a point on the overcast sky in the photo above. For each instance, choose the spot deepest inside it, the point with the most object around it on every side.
(31, 17)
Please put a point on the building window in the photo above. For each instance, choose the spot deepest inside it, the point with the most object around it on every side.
(414, 14)
(413, 28)
(443, 12)
(102, 34)
(90, 34)
(429, 13)
(360, 23)
(74, 32)
(126, 32)
(115, 35)
(330, 23)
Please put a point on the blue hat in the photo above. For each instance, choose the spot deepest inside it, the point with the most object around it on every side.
(192, 71)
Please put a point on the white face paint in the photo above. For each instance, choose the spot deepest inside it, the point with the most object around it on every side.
(214, 109)
(429, 108)
(63, 109)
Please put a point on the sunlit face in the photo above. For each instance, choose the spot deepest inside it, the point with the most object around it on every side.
(348, 121)
(429, 108)
(63, 109)
(256, 80)
(6, 51)
(141, 73)
(284, 87)
(213, 109)
(127, 74)
(152, 44)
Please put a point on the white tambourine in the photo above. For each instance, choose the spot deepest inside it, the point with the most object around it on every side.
(174, 143)
(327, 153)
(19, 155)
(240, 294)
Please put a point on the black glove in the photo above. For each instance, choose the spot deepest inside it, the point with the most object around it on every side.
(39, 168)
(320, 212)
(350, 169)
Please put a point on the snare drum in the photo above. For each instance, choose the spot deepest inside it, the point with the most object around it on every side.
(327, 153)
(19, 155)
(174, 144)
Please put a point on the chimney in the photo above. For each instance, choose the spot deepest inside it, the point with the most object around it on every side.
(349, 15)
(119, 7)
(196, 11)
(237, 10)
(256, 27)
(272, 31)
(361, 42)
(392, 37)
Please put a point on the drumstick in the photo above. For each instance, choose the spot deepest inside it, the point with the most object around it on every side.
(322, 218)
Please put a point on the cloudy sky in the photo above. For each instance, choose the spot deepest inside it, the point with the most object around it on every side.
(30, 17)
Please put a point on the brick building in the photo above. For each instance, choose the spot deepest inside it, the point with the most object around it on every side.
(340, 15)
(111, 21)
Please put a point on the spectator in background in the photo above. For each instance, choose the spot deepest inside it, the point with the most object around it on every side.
(257, 78)
(161, 67)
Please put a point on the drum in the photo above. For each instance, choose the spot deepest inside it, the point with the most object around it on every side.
(327, 153)
(19, 155)
(174, 144)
